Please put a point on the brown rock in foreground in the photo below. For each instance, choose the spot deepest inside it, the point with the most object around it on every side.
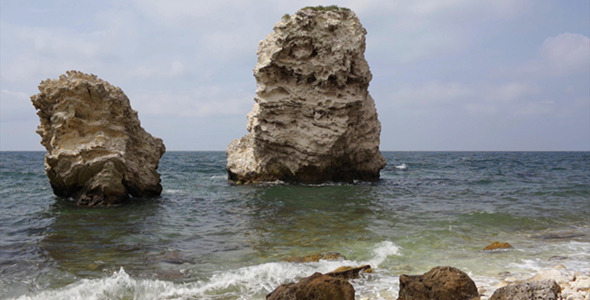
(313, 119)
(440, 283)
(98, 153)
(315, 287)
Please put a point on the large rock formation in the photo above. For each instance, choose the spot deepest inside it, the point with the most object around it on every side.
(98, 153)
(313, 119)
(440, 283)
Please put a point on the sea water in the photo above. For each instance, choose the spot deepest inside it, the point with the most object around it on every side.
(207, 239)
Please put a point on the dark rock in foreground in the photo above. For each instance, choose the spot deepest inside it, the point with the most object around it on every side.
(315, 287)
(440, 283)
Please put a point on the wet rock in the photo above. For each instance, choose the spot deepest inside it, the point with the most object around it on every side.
(313, 119)
(98, 153)
(497, 245)
(347, 272)
(315, 257)
(546, 290)
(315, 287)
(440, 283)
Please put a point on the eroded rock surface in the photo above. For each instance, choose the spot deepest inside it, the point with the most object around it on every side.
(313, 120)
(98, 153)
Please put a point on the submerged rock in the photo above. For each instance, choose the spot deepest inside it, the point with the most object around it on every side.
(440, 283)
(313, 120)
(497, 245)
(315, 287)
(98, 153)
(546, 290)
(347, 272)
(315, 257)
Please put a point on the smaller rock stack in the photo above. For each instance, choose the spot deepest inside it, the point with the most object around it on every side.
(98, 153)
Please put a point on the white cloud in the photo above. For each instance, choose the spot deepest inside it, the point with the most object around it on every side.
(512, 98)
(566, 53)
(16, 106)
(512, 91)
(200, 102)
(558, 56)
(432, 94)
(427, 29)
(171, 69)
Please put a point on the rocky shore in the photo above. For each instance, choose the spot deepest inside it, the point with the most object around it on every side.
(440, 283)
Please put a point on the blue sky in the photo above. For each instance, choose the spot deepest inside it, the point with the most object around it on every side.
(447, 74)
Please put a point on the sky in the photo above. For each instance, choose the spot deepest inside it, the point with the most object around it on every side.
(448, 75)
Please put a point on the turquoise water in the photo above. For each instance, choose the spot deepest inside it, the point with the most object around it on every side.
(207, 239)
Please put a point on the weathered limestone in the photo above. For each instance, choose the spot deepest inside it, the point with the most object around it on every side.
(98, 153)
(313, 120)
(440, 283)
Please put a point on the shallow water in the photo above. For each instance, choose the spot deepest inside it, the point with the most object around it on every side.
(207, 239)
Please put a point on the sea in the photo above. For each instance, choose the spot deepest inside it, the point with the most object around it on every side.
(205, 238)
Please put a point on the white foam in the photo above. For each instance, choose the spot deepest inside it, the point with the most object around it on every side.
(253, 282)
(382, 251)
(173, 192)
(243, 283)
(401, 167)
(119, 285)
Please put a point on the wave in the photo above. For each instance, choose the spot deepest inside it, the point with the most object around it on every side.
(402, 167)
(254, 282)
(250, 282)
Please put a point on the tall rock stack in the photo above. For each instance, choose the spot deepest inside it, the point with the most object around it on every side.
(98, 153)
(313, 120)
